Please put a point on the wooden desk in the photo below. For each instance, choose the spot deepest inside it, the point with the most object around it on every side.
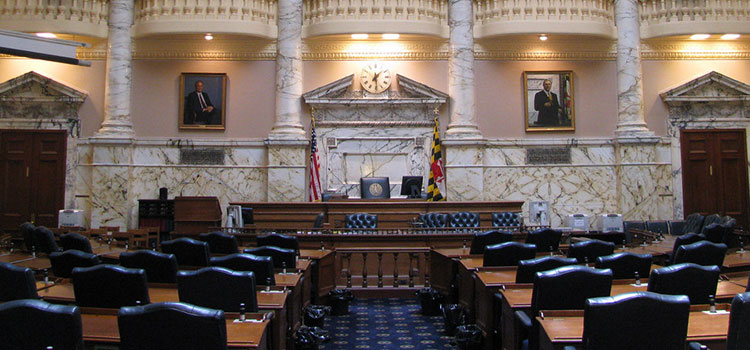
(322, 272)
(735, 261)
(14, 257)
(445, 261)
(561, 328)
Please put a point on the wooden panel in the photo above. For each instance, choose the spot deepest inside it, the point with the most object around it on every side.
(733, 200)
(699, 195)
(48, 195)
(15, 184)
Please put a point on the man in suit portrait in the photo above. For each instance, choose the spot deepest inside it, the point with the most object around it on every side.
(198, 108)
(545, 102)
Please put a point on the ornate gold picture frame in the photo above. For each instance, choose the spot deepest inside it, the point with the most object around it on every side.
(549, 102)
(205, 110)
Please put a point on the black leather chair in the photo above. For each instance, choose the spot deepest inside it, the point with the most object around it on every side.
(545, 239)
(63, 263)
(361, 220)
(463, 219)
(695, 281)
(677, 227)
(17, 283)
(281, 257)
(527, 269)
(261, 266)
(715, 232)
(189, 252)
(632, 224)
(279, 240)
(702, 253)
(481, 240)
(45, 240)
(639, 320)
(508, 253)
(505, 219)
(688, 238)
(159, 267)
(220, 243)
(27, 232)
(35, 324)
(693, 223)
(109, 286)
(588, 251)
(625, 265)
(659, 226)
(739, 322)
(75, 241)
(708, 221)
(432, 220)
(218, 288)
(318, 223)
(171, 326)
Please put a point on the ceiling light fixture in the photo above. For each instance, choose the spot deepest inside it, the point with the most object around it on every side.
(46, 35)
(391, 36)
(209, 36)
(699, 36)
(543, 37)
(360, 36)
(730, 36)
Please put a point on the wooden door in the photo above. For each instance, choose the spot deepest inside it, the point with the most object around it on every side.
(714, 173)
(32, 177)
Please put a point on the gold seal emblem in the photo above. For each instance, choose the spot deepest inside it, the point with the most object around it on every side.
(376, 189)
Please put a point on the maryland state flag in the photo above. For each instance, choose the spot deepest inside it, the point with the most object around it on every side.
(437, 178)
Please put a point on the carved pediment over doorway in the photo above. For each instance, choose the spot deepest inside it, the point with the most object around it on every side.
(712, 87)
(710, 101)
(34, 96)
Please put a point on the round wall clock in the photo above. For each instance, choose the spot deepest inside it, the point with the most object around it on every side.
(375, 78)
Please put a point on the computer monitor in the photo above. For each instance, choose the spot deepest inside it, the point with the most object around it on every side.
(411, 186)
(374, 187)
(247, 216)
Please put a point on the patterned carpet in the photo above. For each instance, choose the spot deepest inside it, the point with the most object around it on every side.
(386, 324)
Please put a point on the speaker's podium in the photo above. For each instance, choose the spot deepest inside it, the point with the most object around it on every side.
(194, 215)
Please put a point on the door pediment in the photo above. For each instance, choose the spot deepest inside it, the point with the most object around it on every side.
(711, 87)
(34, 96)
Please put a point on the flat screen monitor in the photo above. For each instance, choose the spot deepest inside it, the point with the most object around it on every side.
(247, 216)
(374, 187)
(411, 186)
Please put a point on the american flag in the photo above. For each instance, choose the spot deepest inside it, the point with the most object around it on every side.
(315, 187)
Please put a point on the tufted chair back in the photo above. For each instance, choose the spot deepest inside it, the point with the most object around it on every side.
(189, 252)
(527, 269)
(505, 219)
(463, 219)
(171, 326)
(220, 243)
(632, 224)
(739, 322)
(261, 266)
(109, 286)
(483, 239)
(35, 324)
(624, 265)
(545, 239)
(63, 263)
(711, 219)
(75, 241)
(568, 287)
(281, 257)
(508, 253)
(695, 281)
(218, 288)
(27, 231)
(693, 223)
(17, 283)
(659, 226)
(159, 267)
(636, 321)
(588, 251)
(45, 240)
(728, 221)
(279, 240)
(434, 219)
(361, 220)
(702, 253)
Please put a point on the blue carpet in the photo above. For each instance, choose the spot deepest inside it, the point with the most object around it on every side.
(386, 324)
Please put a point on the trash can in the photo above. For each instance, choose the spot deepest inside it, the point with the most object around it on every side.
(308, 338)
(469, 337)
(430, 299)
(454, 316)
(340, 299)
(315, 315)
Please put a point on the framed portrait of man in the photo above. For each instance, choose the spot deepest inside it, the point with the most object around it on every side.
(203, 101)
(549, 103)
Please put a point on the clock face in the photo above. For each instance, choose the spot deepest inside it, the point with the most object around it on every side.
(375, 78)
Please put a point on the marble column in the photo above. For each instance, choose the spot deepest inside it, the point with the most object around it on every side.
(288, 123)
(117, 123)
(461, 71)
(630, 117)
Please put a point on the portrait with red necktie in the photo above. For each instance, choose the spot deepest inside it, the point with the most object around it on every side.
(549, 101)
(203, 101)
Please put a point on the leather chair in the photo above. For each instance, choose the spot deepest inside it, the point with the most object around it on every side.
(261, 266)
(463, 219)
(508, 254)
(281, 257)
(35, 324)
(220, 243)
(639, 320)
(109, 286)
(545, 239)
(695, 281)
(431, 220)
(189, 252)
(702, 253)
(481, 240)
(659, 226)
(27, 232)
(63, 263)
(688, 238)
(218, 288)
(45, 240)
(693, 223)
(75, 241)
(625, 265)
(171, 326)
(588, 251)
(279, 240)
(677, 227)
(739, 321)
(708, 221)
(527, 269)
(159, 267)
(632, 224)
(318, 223)
(361, 220)
(714, 232)
(17, 283)
(505, 219)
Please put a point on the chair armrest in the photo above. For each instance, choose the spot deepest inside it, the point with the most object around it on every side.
(523, 325)
(697, 346)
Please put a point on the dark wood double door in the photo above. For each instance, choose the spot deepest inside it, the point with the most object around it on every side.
(714, 173)
(32, 177)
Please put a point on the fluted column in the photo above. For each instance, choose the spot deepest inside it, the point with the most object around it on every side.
(461, 71)
(630, 117)
(117, 123)
(288, 123)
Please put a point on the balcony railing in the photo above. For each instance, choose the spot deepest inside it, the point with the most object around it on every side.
(680, 17)
(80, 17)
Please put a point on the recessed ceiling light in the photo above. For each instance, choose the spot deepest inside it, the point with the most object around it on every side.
(543, 37)
(391, 36)
(360, 36)
(730, 36)
(46, 35)
(209, 36)
(699, 36)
